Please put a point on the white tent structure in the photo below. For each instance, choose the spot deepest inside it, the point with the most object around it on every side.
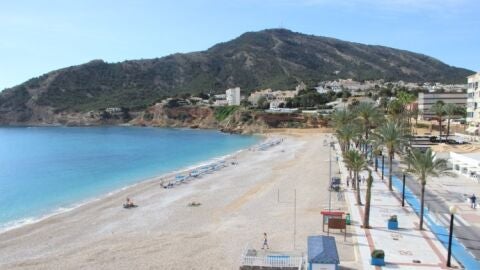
(466, 164)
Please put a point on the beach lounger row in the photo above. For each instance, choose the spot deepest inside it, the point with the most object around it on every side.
(268, 144)
(195, 173)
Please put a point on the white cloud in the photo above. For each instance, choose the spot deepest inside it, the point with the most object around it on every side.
(398, 5)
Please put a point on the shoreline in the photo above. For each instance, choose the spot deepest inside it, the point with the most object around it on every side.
(19, 223)
(236, 205)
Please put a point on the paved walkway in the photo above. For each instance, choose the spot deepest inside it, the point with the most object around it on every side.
(406, 248)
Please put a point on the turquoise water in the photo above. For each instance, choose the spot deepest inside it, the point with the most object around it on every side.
(43, 169)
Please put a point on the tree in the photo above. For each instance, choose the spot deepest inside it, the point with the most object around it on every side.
(202, 95)
(368, 197)
(438, 110)
(346, 133)
(390, 136)
(405, 98)
(263, 103)
(423, 165)
(341, 117)
(395, 109)
(357, 163)
(368, 114)
(451, 110)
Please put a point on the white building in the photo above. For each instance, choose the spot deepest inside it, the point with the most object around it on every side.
(427, 100)
(473, 102)
(233, 96)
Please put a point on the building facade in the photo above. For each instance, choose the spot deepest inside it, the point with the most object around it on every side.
(473, 100)
(233, 96)
(427, 100)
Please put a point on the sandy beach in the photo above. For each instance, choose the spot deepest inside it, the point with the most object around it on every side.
(238, 204)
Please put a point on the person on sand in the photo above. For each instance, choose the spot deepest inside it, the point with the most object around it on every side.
(473, 201)
(265, 241)
(129, 203)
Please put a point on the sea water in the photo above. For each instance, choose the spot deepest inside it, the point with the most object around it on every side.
(46, 169)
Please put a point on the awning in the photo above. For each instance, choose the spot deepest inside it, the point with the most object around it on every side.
(322, 250)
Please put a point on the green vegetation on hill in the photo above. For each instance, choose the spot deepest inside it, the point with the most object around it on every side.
(221, 113)
(275, 58)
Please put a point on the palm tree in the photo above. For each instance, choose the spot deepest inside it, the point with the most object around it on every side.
(357, 163)
(347, 158)
(341, 118)
(405, 98)
(391, 136)
(368, 197)
(368, 114)
(438, 110)
(451, 110)
(346, 133)
(423, 165)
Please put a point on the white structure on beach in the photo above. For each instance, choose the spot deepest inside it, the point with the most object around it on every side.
(466, 164)
(233, 96)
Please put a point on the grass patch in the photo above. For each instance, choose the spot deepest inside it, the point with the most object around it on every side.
(221, 113)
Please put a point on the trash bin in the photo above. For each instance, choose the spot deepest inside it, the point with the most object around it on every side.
(347, 218)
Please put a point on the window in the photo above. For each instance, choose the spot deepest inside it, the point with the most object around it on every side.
(469, 114)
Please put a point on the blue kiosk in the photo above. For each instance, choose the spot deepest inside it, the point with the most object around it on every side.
(322, 253)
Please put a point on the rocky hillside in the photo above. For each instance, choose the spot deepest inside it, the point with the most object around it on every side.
(229, 119)
(276, 58)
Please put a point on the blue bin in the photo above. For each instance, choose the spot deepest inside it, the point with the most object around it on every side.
(378, 261)
(393, 225)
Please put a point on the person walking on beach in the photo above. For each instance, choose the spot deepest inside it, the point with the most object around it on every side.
(265, 241)
(473, 201)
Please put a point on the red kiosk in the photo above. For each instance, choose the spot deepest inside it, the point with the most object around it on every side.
(330, 214)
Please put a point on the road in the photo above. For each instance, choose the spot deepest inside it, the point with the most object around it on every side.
(438, 202)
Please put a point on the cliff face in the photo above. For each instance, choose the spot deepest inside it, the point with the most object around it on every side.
(187, 116)
(238, 120)
(275, 58)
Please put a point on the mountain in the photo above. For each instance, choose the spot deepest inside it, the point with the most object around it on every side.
(276, 58)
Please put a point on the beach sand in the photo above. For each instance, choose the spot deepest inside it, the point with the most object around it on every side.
(238, 204)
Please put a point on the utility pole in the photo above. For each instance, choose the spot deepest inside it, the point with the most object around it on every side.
(294, 216)
(330, 176)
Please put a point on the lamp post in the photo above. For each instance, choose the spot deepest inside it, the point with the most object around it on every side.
(330, 176)
(403, 188)
(452, 210)
(383, 165)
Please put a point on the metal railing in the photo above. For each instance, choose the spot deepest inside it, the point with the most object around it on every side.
(273, 261)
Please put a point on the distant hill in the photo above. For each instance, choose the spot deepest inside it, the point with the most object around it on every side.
(276, 58)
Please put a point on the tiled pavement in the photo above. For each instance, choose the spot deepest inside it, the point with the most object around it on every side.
(406, 248)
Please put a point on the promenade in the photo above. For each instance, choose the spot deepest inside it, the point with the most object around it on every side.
(405, 248)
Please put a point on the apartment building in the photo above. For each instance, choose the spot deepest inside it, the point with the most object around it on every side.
(473, 101)
(233, 96)
(427, 100)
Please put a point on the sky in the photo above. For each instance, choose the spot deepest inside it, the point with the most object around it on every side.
(38, 36)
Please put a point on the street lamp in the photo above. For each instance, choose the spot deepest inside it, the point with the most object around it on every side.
(330, 175)
(452, 210)
(383, 165)
(403, 188)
